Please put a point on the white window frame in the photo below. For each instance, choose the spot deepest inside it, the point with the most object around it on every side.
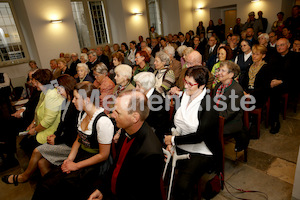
(23, 43)
(90, 26)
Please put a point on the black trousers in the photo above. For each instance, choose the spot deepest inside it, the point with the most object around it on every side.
(189, 173)
(10, 129)
(275, 97)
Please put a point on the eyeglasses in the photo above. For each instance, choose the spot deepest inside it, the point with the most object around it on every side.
(280, 45)
(139, 57)
(190, 84)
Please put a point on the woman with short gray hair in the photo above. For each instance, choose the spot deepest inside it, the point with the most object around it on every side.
(84, 58)
(123, 77)
(164, 76)
(103, 83)
(83, 73)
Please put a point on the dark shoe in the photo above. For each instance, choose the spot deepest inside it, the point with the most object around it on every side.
(275, 128)
(15, 179)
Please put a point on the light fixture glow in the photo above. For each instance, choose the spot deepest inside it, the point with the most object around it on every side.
(138, 13)
(55, 21)
(198, 9)
(255, 1)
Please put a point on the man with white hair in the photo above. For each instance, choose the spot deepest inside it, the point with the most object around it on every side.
(175, 65)
(158, 116)
(149, 52)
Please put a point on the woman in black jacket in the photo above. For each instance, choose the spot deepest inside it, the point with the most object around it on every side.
(257, 81)
(197, 126)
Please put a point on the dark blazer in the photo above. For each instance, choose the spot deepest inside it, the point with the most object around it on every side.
(207, 132)
(286, 68)
(155, 50)
(66, 132)
(28, 114)
(210, 58)
(159, 120)
(261, 85)
(73, 66)
(87, 78)
(103, 58)
(233, 119)
(140, 174)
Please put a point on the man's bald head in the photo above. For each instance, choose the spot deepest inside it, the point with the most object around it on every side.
(194, 58)
(282, 46)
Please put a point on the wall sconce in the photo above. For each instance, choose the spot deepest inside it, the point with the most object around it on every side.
(198, 9)
(255, 1)
(55, 21)
(138, 13)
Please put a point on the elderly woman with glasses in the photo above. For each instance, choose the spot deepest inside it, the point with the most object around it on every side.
(164, 76)
(103, 83)
(233, 112)
(197, 133)
(83, 73)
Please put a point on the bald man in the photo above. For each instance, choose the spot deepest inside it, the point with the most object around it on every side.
(137, 171)
(285, 74)
(192, 59)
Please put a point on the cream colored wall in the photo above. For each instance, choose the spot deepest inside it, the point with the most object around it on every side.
(135, 24)
(51, 39)
(270, 9)
(46, 40)
(186, 15)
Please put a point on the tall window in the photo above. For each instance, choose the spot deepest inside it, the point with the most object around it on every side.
(154, 15)
(12, 50)
(91, 23)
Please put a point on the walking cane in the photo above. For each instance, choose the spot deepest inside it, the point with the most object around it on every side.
(175, 157)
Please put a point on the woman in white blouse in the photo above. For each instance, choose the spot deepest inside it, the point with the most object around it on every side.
(197, 125)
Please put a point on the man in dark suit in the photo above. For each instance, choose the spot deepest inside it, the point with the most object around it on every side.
(158, 117)
(284, 80)
(182, 40)
(137, 172)
(154, 46)
(211, 52)
(75, 61)
(93, 61)
(101, 57)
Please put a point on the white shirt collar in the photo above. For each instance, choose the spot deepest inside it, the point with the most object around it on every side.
(150, 92)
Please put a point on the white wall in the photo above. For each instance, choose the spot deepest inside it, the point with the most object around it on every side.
(170, 16)
(116, 21)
